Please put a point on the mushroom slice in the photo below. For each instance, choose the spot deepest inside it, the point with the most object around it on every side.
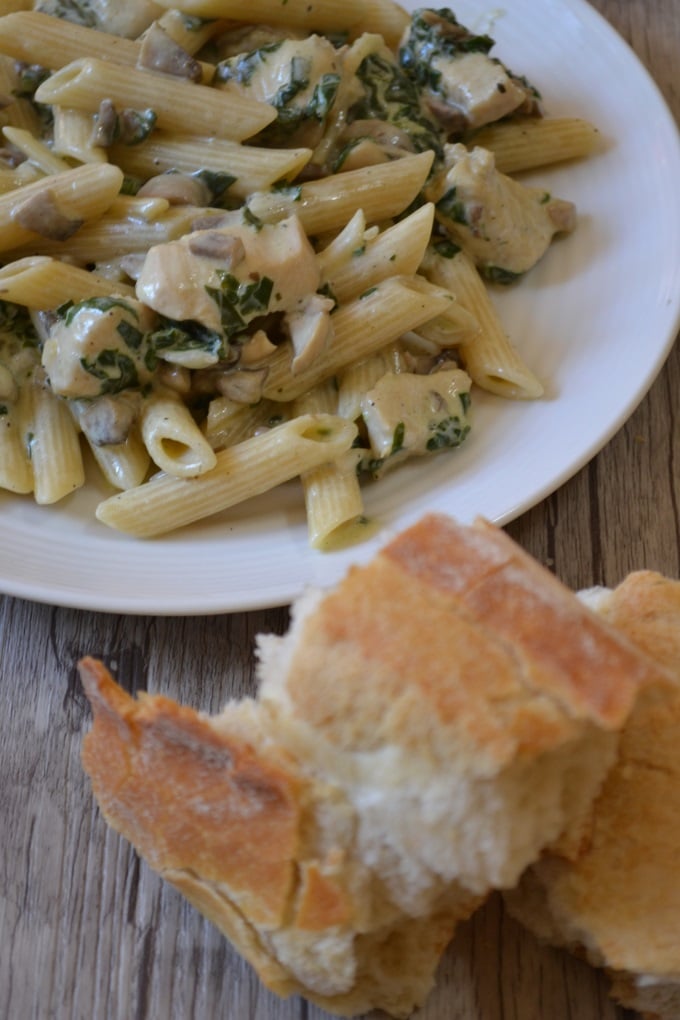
(41, 214)
(310, 330)
(158, 52)
(243, 385)
(177, 189)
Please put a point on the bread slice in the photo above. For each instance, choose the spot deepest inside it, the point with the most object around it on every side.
(421, 734)
(618, 900)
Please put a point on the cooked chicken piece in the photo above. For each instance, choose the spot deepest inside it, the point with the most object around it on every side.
(226, 276)
(466, 87)
(299, 77)
(97, 347)
(127, 18)
(503, 225)
(410, 415)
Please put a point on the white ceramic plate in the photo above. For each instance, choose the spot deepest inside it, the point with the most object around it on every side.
(595, 319)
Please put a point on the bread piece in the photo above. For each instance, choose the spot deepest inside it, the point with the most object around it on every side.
(423, 731)
(618, 901)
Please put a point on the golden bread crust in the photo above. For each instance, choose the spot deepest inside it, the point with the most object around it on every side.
(465, 639)
(188, 797)
(620, 898)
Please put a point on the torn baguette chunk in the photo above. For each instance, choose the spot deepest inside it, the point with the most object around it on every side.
(616, 900)
(424, 730)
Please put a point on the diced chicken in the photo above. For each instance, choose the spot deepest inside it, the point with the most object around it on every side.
(225, 277)
(127, 18)
(503, 225)
(97, 347)
(299, 77)
(407, 414)
(466, 87)
(479, 88)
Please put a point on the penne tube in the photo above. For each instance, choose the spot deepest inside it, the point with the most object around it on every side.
(20, 112)
(40, 283)
(42, 39)
(82, 84)
(491, 360)
(35, 151)
(172, 437)
(229, 423)
(54, 447)
(19, 177)
(191, 35)
(255, 169)
(123, 465)
(16, 473)
(382, 16)
(359, 329)
(72, 130)
(361, 376)
(74, 196)
(537, 141)
(113, 236)
(53, 42)
(248, 469)
(333, 499)
(397, 251)
(381, 191)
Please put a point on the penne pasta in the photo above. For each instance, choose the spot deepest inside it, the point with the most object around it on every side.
(248, 469)
(35, 151)
(40, 282)
(40, 39)
(16, 473)
(252, 168)
(490, 359)
(83, 83)
(172, 437)
(236, 315)
(396, 251)
(537, 141)
(59, 203)
(382, 16)
(333, 499)
(53, 445)
(381, 191)
(359, 328)
(73, 137)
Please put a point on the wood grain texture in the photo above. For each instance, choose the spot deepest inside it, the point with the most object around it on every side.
(90, 933)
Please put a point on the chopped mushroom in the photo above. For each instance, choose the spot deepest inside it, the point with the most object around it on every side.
(41, 214)
(243, 385)
(107, 421)
(177, 189)
(310, 329)
(159, 52)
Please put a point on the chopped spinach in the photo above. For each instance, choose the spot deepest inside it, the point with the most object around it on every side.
(496, 274)
(69, 309)
(392, 97)
(182, 336)
(447, 433)
(240, 302)
(114, 370)
(436, 34)
(452, 207)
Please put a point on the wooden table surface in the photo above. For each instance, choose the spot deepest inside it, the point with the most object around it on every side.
(89, 932)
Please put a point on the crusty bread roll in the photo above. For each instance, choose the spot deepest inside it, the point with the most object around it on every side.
(421, 734)
(617, 901)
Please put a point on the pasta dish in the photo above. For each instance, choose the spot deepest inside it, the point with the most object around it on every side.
(238, 254)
